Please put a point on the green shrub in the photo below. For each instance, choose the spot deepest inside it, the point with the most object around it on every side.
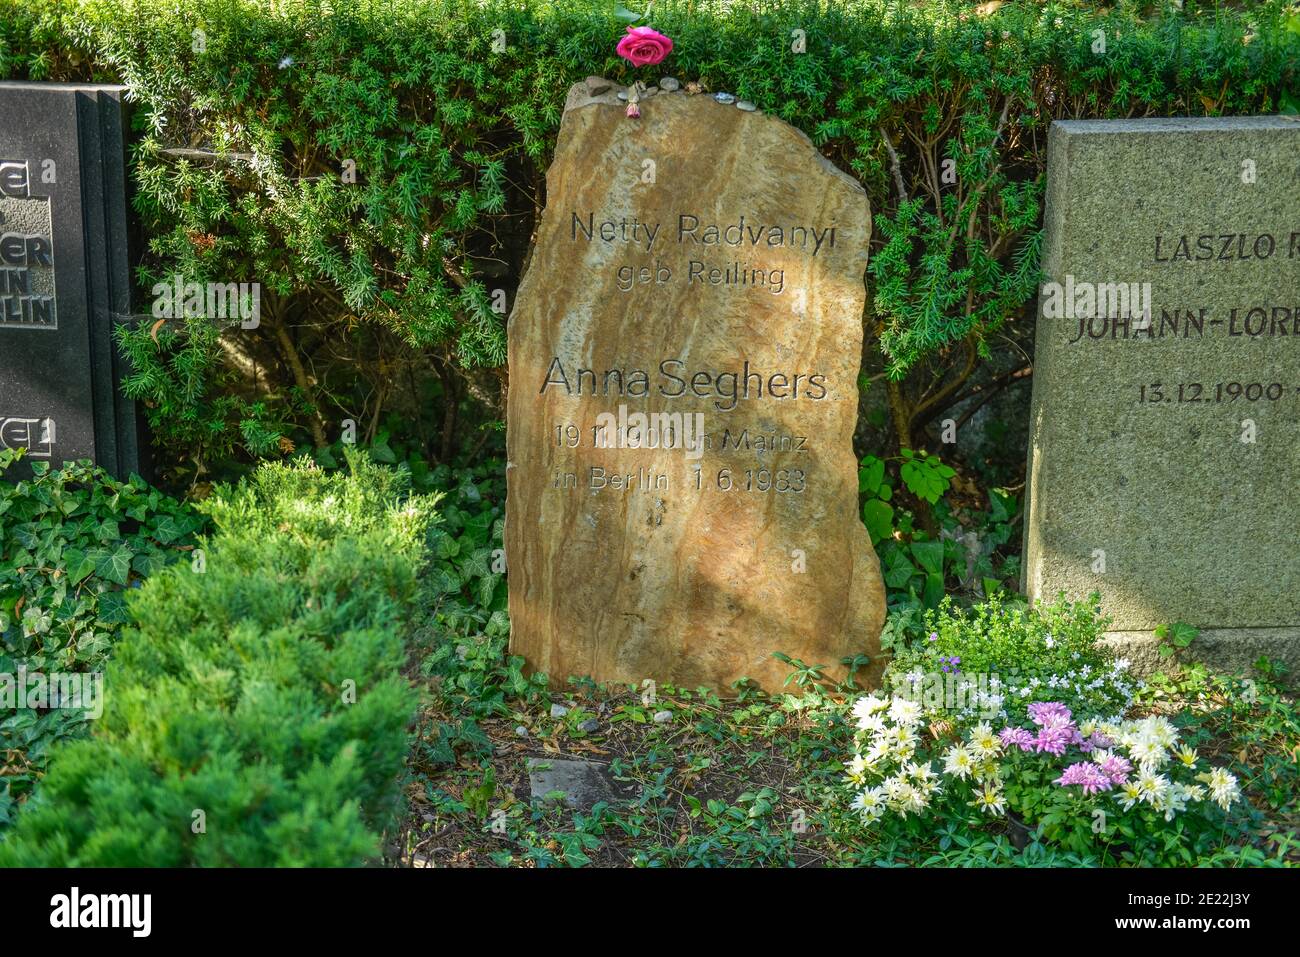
(250, 111)
(256, 713)
(73, 541)
(1012, 656)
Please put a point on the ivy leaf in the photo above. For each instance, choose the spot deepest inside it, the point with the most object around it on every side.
(115, 566)
(930, 556)
(78, 564)
(448, 547)
(900, 570)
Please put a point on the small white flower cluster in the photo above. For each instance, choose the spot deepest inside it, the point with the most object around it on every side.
(1156, 754)
(1114, 683)
(889, 776)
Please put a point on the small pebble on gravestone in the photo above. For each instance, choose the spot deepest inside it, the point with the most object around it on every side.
(745, 105)
(668, 84)
(726, 99)
(558, 711)
(590, 725)
(662, 717)
(521, 731)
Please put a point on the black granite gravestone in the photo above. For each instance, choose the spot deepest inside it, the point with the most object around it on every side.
(64, 275)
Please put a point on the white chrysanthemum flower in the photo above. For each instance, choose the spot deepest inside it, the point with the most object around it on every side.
(1153, 787)
(871, 722)
(1186, 755)
(1160, 730)
(916, 800)
(894, 787)
(857, 769)
(901, 736)
(1148, 754)
(1224, 789)
(904, 711)
(870, 804)
(1131, 795)
(984, 742)
(878, 752)
(868, 705)
(959, 762)
(990, 799)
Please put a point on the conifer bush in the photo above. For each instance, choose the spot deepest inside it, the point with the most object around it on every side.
(255, 713)
(377, 166)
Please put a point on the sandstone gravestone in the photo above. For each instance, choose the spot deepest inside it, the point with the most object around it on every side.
(1164, 467)
(682, 492)
(64, 275)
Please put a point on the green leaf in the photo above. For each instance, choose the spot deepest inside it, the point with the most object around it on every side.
(899, 571)
(78, 563)
(115, 566)
(930, 556)
(878, 516)
(870, 475)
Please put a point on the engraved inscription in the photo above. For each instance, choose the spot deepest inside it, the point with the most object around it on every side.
(27, 297)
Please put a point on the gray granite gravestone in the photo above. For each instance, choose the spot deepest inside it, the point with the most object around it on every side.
(1164, 463)
(64, 275)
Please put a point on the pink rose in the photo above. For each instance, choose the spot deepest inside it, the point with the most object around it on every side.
(644, 47)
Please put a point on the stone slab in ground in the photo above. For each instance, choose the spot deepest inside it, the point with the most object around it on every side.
(702, 266)
(583, 783)
(1165, 443)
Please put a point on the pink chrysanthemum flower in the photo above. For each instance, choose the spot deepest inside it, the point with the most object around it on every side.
(1049, 714)
(1052, 740)
(1117, 769)
(1017, 737)
(1087, 775)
